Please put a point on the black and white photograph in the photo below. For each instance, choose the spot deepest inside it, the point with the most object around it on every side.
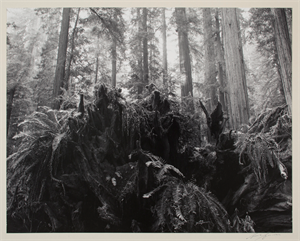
(149, 120)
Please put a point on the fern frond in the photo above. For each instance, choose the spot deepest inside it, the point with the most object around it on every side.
(261, 150)
(177, 196)
(150, 194)
(57, 140)
(24, 134)
(189, 208)
(166, 169)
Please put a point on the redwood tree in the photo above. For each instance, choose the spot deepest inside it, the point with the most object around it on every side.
(114, 55)
(284, 51)
(209, 60)
(145, 47)
(140, 55)
(164, 37)
(61, 57)
(220, 64)
(184, 54)
(68, 70)
(235, 69)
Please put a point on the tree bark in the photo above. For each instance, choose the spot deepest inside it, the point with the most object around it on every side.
(114, 63)
(220, 65)
(61, 58)
(209, 60)
(235, 69)
(164, 37)
(140, 53)
(284, 51)
(150, 61)
(66, 83)
(114, 56)
(184, 56)
(280, 82)
(145, 48)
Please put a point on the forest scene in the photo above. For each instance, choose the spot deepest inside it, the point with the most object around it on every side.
(149, 120)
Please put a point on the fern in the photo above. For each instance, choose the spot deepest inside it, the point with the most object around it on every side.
(35, 161)
(186, 207)
(134, 123)
(240, 225)
(267, 119)
(181, 206)
(262, 152)
(68, 101)
(166, 169)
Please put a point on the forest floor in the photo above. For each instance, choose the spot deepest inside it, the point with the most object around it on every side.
(143, 167)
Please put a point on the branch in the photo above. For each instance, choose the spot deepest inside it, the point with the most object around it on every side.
(206, 113)
(106, 26)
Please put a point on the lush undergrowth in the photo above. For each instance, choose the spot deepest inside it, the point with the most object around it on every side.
(141, 167)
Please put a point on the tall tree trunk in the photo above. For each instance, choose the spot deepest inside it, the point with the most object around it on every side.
(164, 36)
(180, 29)
(209, 60)
(140, 53)
(280, 82)
(114, 63)
(235, 69)
(61, 58)
(150, 67)
(150, 55)
(284, 50)
(67, 78)
(145, 48)
(278, 70)
(184, 56)
(114, 56)
(220, 65)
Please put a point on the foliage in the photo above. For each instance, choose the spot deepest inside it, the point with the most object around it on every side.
(154, 24)
(107, 24)
(135, 45)
(179, 205)
(22, 54)
(186, 207)
(44, 169)
(260, 146)
(266, 90)
(35, 163)
(261, 23)
(60, 153)
(261, 150)
(241, 225)
(138, 164)
(267, 120)
(65, 162)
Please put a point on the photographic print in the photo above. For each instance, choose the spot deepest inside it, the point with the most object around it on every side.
(149, 120)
